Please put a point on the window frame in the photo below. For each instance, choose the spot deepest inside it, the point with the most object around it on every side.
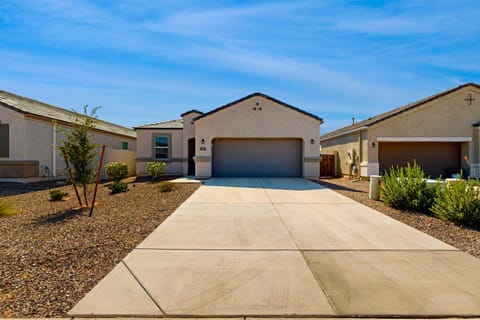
(124, 145)
(168, 147)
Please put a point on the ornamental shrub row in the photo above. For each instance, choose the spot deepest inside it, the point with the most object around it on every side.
(406, 188)
(459, 203)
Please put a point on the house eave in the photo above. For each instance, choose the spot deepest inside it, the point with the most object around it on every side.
(344, 133)
(152, 128)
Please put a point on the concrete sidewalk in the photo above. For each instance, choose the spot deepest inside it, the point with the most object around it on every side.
(276, 247)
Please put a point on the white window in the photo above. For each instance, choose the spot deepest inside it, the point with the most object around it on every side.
(161, 147)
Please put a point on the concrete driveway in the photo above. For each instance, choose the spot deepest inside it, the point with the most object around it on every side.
(283, 247)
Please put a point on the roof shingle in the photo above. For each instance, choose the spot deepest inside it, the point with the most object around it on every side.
(383, 116)
(259, 94)
(48, 111)
(170, 124)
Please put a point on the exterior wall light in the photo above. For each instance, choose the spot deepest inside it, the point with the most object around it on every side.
(312, 141)
(373, 144)
(202, 141)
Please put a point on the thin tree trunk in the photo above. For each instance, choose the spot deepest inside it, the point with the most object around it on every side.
(85, 194)
(73, 180)
(97, 181)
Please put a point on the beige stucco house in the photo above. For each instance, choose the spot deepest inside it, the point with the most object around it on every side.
(438, 132)
(30, 130)
(254, 136)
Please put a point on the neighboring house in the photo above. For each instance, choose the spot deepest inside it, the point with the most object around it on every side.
(29, 134)
(438, 132)
(254, 136)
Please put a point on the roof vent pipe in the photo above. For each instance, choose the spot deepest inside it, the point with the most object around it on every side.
(353, 121)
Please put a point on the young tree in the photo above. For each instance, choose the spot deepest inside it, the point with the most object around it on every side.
(79, 150)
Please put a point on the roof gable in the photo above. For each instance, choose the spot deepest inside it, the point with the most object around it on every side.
(258, 94)
(392, 113)
(49, 112)
(191, 111)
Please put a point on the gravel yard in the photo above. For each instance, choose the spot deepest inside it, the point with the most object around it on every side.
(51, 255)
(463, 238)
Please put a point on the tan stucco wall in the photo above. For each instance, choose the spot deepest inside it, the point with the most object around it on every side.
(145, 150)
(39, 144)
(448, 116)
(111, 141)
(16, 123)
(124, 156)
(242, 121)
(341, 146)
(32, 138)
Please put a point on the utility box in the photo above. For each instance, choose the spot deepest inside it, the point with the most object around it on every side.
(374, 187)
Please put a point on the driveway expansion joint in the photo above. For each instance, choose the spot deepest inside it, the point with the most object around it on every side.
(143, 287)
(259, 250)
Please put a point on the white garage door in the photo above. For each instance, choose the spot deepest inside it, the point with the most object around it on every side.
(257, 158)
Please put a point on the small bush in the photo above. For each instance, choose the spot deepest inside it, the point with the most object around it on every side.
(167, 186)
(117, 187)
(7, 208)
(406, 188)
(155, 169)
(459, 203)
(57, 195)
(116, 170)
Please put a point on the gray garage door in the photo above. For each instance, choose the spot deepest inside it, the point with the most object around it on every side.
(257, 158)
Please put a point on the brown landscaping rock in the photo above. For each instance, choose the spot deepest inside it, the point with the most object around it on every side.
(463, 238)
(51, 255)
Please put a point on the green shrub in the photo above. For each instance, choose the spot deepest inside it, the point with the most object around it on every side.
(155, 169)
(167, 186)
(406, 188)
(7, 208)
(57, 195)
(117, 187)
(459, 203)
(116, 170)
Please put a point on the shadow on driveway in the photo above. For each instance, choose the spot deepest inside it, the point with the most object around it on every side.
(265, 183)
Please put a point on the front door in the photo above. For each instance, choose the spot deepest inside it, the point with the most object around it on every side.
(191, 154)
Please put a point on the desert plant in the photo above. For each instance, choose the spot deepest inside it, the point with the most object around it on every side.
(167, 186)
(155, 169)
(79, 150)
(459, 202)
(117, 187)
(7, 208)
(57, 195)
(116, 170)
(406, 188)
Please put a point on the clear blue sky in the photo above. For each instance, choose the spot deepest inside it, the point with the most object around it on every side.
(148, 61)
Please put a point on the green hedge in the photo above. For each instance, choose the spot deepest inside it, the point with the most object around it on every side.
(459, 203)
(406, 188)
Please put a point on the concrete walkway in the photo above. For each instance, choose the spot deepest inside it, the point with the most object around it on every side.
(274, 247)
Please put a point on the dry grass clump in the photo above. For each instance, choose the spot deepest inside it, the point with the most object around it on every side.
(7, 208)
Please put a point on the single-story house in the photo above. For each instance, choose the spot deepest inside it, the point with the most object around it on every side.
(30, 132)
(256, 135)
(438, 132)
